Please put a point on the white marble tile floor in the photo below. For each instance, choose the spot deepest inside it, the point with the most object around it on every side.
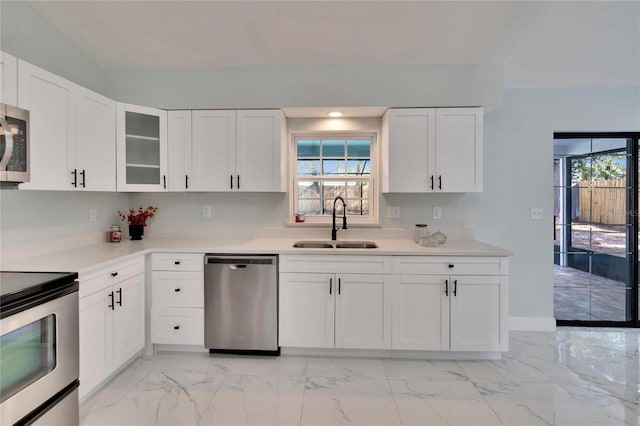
(574, 376)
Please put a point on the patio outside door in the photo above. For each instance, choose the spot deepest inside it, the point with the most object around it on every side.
(595, 243)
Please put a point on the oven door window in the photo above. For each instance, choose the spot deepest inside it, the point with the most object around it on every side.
(27, 354)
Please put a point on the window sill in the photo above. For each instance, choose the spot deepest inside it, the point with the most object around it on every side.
(328, 224)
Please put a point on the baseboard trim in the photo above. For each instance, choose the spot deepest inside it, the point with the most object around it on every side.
(532, 324)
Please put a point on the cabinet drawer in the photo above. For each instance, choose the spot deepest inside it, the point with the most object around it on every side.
(177, 262)
(177, 289)
(182, 326)
(336, 264)
(104, 277)
(423, 265)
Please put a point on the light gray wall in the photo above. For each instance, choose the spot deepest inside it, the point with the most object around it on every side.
(29, 216)
(337, 86)
(26, 35)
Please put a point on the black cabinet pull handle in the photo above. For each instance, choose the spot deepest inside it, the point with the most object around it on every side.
(186, 181)
(455, 287)
(119, 296)
(84, 181)
(440, 182)
(231, 180)
(176, 327)
(114, 274)
(339, 285)
(177, 290)
(177, 262)
(451, 265)
(238, 177)
(164, 181)
(330, 284)
(112, 305)
(75, 178)
(446, 287)
(432, 184)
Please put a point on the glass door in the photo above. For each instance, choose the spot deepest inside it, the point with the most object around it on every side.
(593, 230)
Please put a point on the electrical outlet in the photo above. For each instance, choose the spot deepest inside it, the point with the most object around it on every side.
(393, 212)
(437, 212)
(536, 213)
(93, 215)
(206, 211)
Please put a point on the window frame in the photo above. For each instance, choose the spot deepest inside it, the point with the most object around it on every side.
(372, 218)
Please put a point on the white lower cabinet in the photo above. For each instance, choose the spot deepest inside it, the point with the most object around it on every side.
(465, 310)
(111, 320)
(349, 309)
(177, 298)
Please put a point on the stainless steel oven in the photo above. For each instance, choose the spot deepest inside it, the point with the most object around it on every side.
(39, 349)
(14, 145)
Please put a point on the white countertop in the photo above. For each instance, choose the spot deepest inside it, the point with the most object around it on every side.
(84, 258)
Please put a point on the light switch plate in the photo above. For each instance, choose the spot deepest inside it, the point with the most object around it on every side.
(536, 213)
(206, 211)
(437, 212)
(393, 212)
(93, 215)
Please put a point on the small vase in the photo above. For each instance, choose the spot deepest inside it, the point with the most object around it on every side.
(136, 232)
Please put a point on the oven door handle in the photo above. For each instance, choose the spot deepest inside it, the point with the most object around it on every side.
(8, 138)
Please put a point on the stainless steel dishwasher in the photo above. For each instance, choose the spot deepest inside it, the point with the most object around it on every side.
(241, 304)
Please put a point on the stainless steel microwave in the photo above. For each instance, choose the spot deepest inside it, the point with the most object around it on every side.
(14, 145)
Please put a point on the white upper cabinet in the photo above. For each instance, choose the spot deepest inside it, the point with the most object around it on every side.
(259, 151)
(459, 149)
(94, 159)
(213, 150)
(73, 145)
(179, 151)
(432, 150)
(226, 150)
(51, 101)
(8, 79)
(142, 148)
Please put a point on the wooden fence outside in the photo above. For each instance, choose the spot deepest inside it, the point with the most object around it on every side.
(602, 201)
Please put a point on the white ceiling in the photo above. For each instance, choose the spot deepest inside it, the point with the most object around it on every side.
(542, 44)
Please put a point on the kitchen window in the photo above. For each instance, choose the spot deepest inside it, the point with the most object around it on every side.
(327, 165)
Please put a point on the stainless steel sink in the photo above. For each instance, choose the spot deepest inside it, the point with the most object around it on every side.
(357, 245)
(335, 244)
(312, 244)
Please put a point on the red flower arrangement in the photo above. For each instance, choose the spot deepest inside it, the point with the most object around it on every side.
(138, 217)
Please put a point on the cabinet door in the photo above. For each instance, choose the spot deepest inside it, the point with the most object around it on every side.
(307, 310)
(475, 313)
(421, 312)
(259, 162)
(8, 79)
(213, 152)
(51, 101)
(142, 148)
(459, 149)
(96, 143)
(408, 158)
(179, 151)
(128, 324)
(96, 335)
(363, 311)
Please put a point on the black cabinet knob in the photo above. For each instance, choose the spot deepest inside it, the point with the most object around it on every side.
(176, 327)
(177, 262)
(114, 274)
(451, 265)
(177, 290)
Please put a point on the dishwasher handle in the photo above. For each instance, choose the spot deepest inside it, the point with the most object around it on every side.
(238, 267)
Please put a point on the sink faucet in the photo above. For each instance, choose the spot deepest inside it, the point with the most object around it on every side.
(334, 230)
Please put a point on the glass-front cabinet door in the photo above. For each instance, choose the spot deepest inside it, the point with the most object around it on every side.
(142, 148)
